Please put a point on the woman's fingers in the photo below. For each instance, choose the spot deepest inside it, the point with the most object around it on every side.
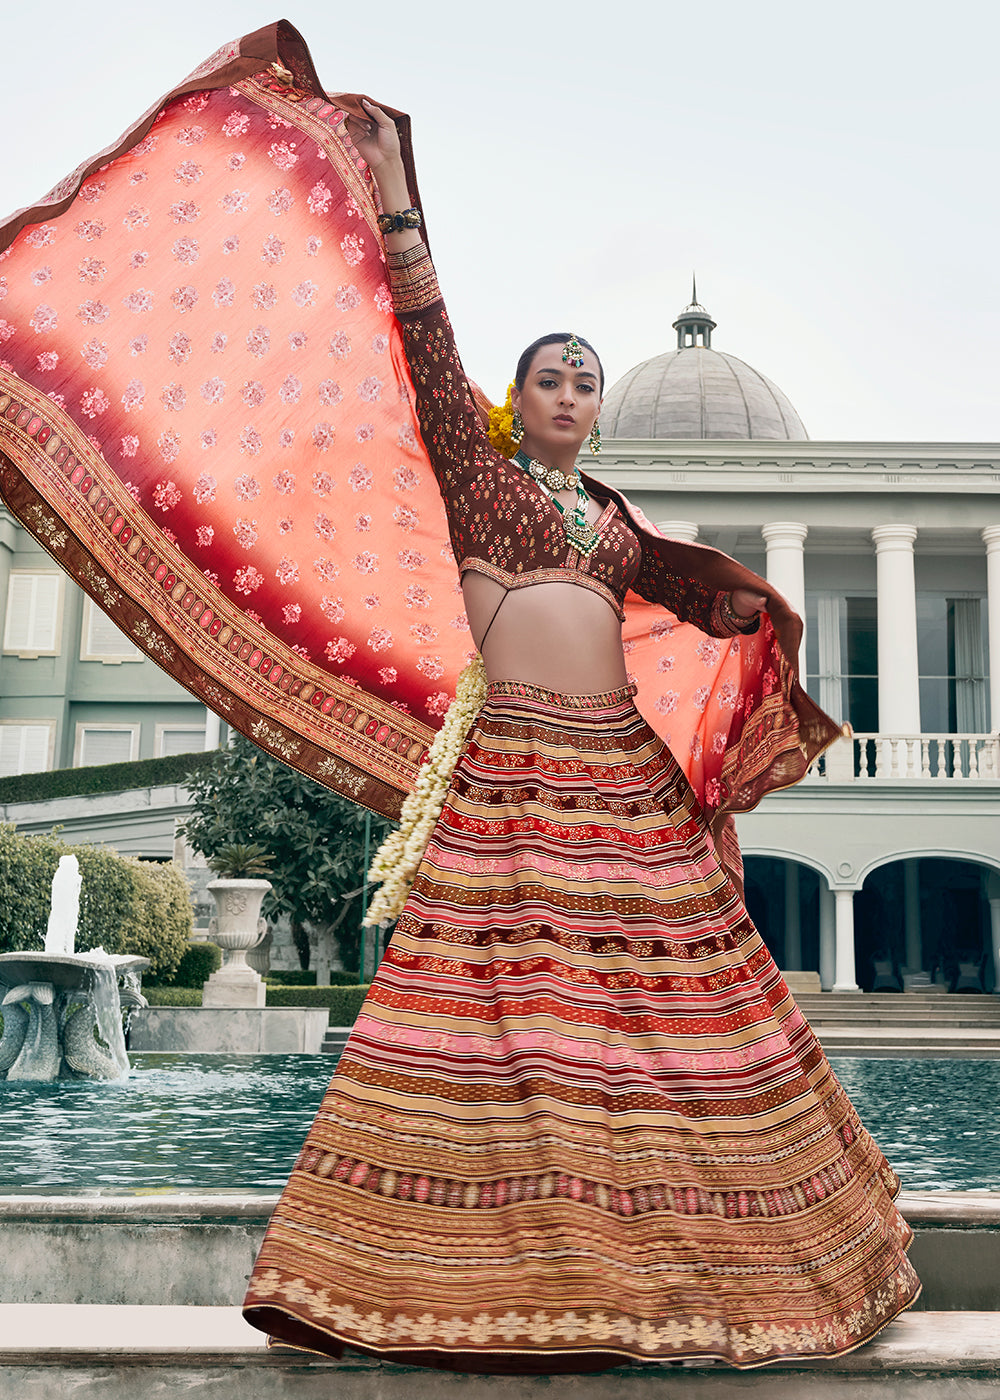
(746, 603)
(375, 135)
(376, 112)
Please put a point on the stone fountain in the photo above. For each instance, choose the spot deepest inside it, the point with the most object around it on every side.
(62, 1010)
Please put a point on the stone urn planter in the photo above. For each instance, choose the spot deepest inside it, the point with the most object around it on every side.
(236, 928)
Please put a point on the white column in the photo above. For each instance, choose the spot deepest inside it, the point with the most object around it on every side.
(991, 538)
(785, 541)
(827, 938)
(213, 727)
(678, 530)
(793, 926)
(911, 916)
(845, 980)
(898, 686)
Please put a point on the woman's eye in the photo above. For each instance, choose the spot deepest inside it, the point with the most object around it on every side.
(585, 388)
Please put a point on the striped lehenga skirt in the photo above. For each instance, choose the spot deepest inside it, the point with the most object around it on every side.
(580, 1120)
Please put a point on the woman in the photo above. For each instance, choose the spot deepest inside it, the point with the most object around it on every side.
(579, 1120)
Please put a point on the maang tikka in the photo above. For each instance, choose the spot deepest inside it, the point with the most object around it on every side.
(573, 352)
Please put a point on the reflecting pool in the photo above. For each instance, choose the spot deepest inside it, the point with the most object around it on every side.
(235, 1123)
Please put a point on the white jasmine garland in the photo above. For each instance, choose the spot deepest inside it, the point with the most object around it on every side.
(396, 860)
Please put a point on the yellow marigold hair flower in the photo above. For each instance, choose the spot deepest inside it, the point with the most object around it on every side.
(501, 425)
(397, 858)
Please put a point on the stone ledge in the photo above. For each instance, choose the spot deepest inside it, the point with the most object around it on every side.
(962, 1209)
(957, 1344)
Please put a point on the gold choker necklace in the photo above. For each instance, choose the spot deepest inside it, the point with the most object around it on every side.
(580, 534)
(550, 477)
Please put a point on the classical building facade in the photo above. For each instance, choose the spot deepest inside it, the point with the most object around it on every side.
(883, 866)
(73, 689)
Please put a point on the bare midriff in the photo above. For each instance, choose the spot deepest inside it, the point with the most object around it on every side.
(560, 636)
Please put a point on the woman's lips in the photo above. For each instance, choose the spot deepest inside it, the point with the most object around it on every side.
(564, 418)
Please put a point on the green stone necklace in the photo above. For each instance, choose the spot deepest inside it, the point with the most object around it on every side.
(580, 534)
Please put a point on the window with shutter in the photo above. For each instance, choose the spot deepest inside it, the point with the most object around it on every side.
(34, 614)
(102, 640)
(179, 738)
(26, 748)
(105, 743)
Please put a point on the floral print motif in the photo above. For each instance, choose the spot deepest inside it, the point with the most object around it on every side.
(319, 198)
(246, 487)
(166, 495)
(204, 489)
(94, 402)
(43, 320)
(248, 580)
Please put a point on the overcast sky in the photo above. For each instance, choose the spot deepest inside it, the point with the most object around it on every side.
(830, 171)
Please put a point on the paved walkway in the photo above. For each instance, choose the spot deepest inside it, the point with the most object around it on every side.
(121, 1353)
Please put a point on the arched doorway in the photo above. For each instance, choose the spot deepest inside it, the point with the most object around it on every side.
(783, 899)
(924, 923)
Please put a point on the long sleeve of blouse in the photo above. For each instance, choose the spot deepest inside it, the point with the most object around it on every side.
(478, 484)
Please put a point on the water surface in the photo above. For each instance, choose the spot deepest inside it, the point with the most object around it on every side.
(235, 1123)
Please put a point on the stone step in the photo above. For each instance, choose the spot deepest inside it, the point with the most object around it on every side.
(882, 1042)
(51, 1351)
(919, 999)
(846, 1018)
(198, 1250)
(335, 1040)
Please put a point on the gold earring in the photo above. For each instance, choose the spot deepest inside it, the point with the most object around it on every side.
(517, 428)
(595, 438)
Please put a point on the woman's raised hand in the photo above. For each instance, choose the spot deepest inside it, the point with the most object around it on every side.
(746, 603)
(377, 139)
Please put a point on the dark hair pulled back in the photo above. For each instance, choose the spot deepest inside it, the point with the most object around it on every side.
(556, 338)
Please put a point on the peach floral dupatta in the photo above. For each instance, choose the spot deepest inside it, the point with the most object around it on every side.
(207, 420)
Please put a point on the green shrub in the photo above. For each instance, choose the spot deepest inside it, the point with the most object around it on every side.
(126, 905)
(172, 996)
(307, 978)
(107, 777)
(344, 1003)
(198, 962)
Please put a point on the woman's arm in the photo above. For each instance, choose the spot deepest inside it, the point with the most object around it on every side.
(450, 424)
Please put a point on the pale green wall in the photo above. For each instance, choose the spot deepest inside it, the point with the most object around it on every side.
(69, 690)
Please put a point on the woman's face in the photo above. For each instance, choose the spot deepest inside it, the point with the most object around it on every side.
(559, 404)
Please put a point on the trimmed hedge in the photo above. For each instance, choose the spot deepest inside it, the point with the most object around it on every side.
(307, 978)
(172, 996)
(344, 1003)
(107, 777)
(126, 905)
(198, 962)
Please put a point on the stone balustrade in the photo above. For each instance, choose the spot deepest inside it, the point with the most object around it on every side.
(928, 758)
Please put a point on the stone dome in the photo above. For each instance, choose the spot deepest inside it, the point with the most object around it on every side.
(697, 392)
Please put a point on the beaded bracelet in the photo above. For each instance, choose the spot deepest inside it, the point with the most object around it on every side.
(736, 620)
(395, 223)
